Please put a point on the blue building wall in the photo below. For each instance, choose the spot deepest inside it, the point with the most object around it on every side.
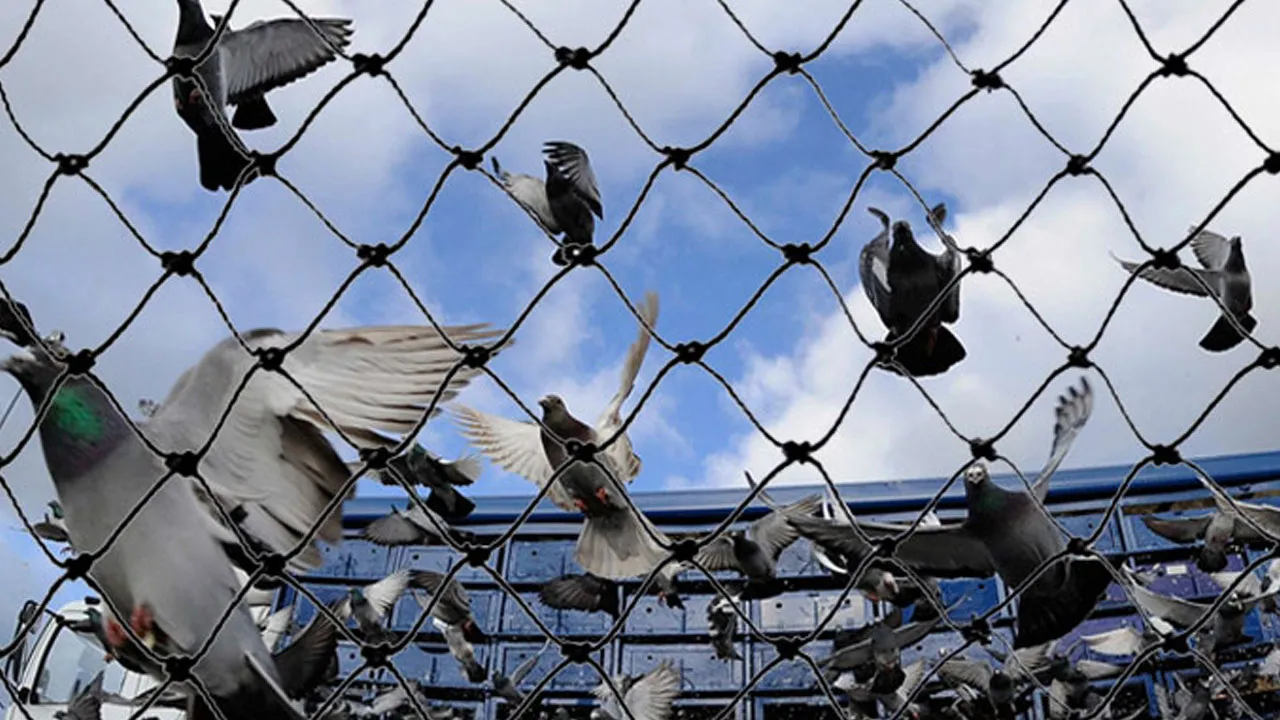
(542, 549)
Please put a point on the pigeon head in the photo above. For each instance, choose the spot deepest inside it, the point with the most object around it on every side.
(904, 241)
(551, 404)
(976, 475)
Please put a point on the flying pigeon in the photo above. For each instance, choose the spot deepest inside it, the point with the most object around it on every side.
(16, 323)
(1186, 703)
(411, 527)
(275, 626)
(454, 605)
(1128, 641)
(1226, 276)
(1225, 628)
(581, 592)
(754, 552)
(649, 697)
(615, 542)
(371, 604)
(901, 280)
(722, 624)
(507, 688)
(568, 198)
(87, 704)
(461, 649)
(1230, 521)
(1254, 587)
(420, 466)
(53, 528)
(1005, 533)
(248, 63)
(880, 643)
(892, 698)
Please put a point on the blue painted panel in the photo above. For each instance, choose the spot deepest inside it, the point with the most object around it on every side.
(440, 558)
(1204, 584)
(540, 560)
(353, 558)
(1173, 578)
(348, 658)
(483, 605)
(1138, 536)
(573, 678)
(439, 668)
(854, 610)
(303, 610)
(413, 663)
(818, 708)
(562, 622)
(651, 617)
(794, 674)
(978, 597)
(801, 611)
(696, 663)
(1084, 525)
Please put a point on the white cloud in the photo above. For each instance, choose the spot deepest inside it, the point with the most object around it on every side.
(1171, 160)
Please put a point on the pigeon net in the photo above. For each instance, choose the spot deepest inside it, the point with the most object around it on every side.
(1180, 651)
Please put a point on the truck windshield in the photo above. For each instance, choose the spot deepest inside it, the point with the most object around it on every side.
(69, 666)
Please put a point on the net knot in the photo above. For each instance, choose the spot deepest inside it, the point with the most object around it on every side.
(70, 164)
(180, 66)
(576, 58)
(1165, 455)
(272, 564)
(980, 260)
(580, 451)
(685, 550)
(678, 156)
(373, 255)
(270, 359)
(576, 652)
(1077, 165)
(886, 547)
(375, 656)
(79, 566)
(371, 65)
(1164, 259)
(478, 555)
(375, 457)
(1078, 357)
(988, 81)
(1272, 163)
(1270, 358)
(1077, 546)
(1176, 643)
(787, 62)
(81, 362)
(475, 356)
(690, 352)
(178, 667)
(576, 254)
(787, 647)
(885, 352)
(798, 254)
(884, 159)
(1174, 64)
(797, 452)
(982, 449)
(978, 630)
(469, 159)
(183, 463)
(181, 263)
(265, 163)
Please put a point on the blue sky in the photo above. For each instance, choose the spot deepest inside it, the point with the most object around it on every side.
(680, 69)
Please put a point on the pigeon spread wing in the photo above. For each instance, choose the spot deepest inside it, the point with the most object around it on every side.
(652, 696)
(1179, 280)
(1073, 412)
(455, 602)
(513, 445)
(948, 266)
(1176, 610)
(774, 534)
(610, 419)
(974, 673)
(718, 555)
(1179, 530)
(87, 705)
(269, 54)
(939, 550)
(383, 594)
(1210, 248)
(393, 530)
(270, 456)
(873, 268)
(276, 625)
(523, 669)
(531, 193)
(572, 162)
(575, 592)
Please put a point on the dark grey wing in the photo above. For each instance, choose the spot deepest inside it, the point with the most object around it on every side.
(382, 595)
(1073, 412)
(774, 534)
(572, 162)
(832, 535)
(1179, 281)
(303, 663)
(87, 704)
(718, 555)
(873, 268)
(945, 551)
(51, 532)
(1210, 248)
(454, 604)
(909, 635)
(974, 673)
(948, 265)
(268, 54)
(573, 592)
(1180, 612)
(1180, 530)
(393, 530)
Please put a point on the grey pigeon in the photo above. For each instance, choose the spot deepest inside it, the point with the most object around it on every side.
(1254, 587)
(411, 527)
(247, 64)
(1232, 520)
(722, 624)
(1005, 533)
(878, 583)
(275, 626)
(87, 704)
(615, 542)
(453, 606)
(1187, 703)
(566, 201)
(371, 604)
(1128, 641)
(754, 552)
(1002, 686)
(461, 649)
(53, 528)
(902, 280)
(584, 592)
(881, 643)
(1225, 628)
(1071, 688)
(420, 466)
(650, 697)
(507, 688)
(892, 698)
(1224, 272)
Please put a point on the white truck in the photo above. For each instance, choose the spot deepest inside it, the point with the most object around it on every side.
(54, 663)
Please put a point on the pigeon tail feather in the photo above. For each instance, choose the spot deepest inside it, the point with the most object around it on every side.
(253, 114)
(220, 162)
(1050, 616)
(920, 361)
(1223, 336)
(617, 547)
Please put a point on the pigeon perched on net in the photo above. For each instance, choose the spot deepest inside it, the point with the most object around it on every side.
(754, 552)
(371, 604)
(1006, 533)
(648, 697)
(722, 625)
(902, 279)
(420, 466)
(246, 65)
(584, 592)
(1225, 627)
(566, 201)
(412, 527)
(1222, 270)
(87, 704)
(616, 542)
(269, 462)
(507, 688)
